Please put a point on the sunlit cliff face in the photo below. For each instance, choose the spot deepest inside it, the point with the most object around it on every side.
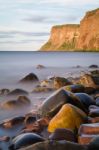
(84, 36)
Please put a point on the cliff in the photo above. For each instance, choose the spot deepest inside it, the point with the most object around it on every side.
(73, 37)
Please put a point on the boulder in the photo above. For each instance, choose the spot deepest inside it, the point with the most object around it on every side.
(74, 88)
(94, 112)
(85, 139)
(91, 128)
(54, 102)
(69, 117)
(39, 89)
(4, 92)
(91, 107)
(23, 100)
(56, 145)
(25, 139)
(93, 120)
(93, 66)
(95, 72)
(60, 82)
(4, 139)
(46, 83)
(94, 144)
(97, 101)
(89, 81)
(89, 90)
(29, 120)
(12, 122)
(85, 99)
(63, 134)
(16, 104)
(17, 92)
(30, 78)
(40, 67)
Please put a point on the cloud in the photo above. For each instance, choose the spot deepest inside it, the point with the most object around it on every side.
(48, 19)
(12, 33)
(36, 19)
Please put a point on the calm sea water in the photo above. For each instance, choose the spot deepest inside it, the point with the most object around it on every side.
(15, 65)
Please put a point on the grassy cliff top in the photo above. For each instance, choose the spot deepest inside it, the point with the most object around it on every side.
(66, 25)
(92, 12)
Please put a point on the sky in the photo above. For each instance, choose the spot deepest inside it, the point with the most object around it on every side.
(25, 24)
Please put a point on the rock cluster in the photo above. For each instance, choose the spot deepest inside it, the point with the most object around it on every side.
(68, 119)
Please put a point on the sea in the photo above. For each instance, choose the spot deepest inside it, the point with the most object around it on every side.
(15, 65)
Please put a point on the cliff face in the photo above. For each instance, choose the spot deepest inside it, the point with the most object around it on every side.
(89, 31)
(76, 37)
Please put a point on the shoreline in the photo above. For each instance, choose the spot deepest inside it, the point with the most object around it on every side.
(26, 99)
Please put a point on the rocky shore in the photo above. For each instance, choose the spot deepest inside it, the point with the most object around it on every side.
(67, 119)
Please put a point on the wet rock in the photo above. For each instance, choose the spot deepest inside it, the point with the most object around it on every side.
(54, 102)
(63, 134)
(25, 139)
(23, 100)
(96, 95)
(14, 121)
(92, 128)
(94, 144)
(46, 83)
(95, 72)
(39, 89)
(94, 112)
(18, 92)
(55, 145)
(93, 120)
(89, 90)
(89, 81)
(91, 107)
(4, 138)
(43, 122)
(15, 104)
(33, 124)
(29, 120)
(30, 78)
(69, 117)
(74, 88)
(51, 78)
(4, 92)
(60, 82)
(93, 66)
(40, 67)
(85, 139)
(85, 99)
(97, 101)
(11, 104)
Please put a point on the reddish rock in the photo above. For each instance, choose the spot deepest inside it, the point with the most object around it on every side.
(63, 134)
(92, 128)
(85, 139)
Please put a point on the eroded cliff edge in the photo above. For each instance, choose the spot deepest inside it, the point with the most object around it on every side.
(74, 37)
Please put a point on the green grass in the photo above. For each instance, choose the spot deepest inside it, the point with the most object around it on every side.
(46, 46)
(68, 45)
(91, 13)
(67, 25)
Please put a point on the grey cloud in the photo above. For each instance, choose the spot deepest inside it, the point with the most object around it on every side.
(21, 41)
(36, 19)
(7, 34)
(51, 19)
